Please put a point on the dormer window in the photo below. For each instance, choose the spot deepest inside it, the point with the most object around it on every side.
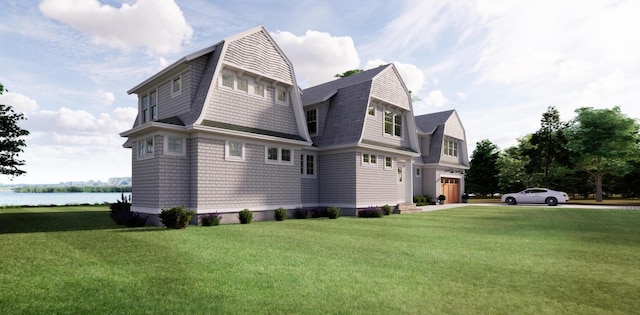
(392, 124)
(145, 108)
(176, 86)
(227, 80)
(243, 85)
(258, 89)
(281, 96)
(312, 121)
(450, 147)
(153, 99)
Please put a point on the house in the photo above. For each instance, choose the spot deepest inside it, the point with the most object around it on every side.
(440, 168)
(227, 128)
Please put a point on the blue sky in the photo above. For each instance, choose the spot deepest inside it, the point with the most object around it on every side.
(68, 63)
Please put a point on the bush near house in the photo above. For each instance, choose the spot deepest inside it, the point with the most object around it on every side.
(122, 215)
(370, 212)
(333, 212)
(302, 213)
(386, 209)
(210, 219)
(176, 217)
(245, 216)
(280, 214)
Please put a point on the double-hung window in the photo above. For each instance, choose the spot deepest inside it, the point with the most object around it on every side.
(450, 147)
(388, 163)
(312, 121)
(145, 108)
(397, 120)
(392, 124)
(153, 99)
(307, 165)
(388, 122)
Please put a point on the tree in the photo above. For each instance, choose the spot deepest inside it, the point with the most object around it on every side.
(547, 152)
(512, 165)
(11, 141)
(347, 73)
(604, 141)
(482, 176)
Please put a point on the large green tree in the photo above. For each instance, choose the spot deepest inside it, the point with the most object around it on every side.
(482, 176)
(348, 73)
(11, 140)
(603, 141)
(547, 151)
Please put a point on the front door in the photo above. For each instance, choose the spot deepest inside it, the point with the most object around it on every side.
(450, 188)
(401, 182)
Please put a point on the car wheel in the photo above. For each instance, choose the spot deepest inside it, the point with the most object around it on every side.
(511, 201)
(551, 201)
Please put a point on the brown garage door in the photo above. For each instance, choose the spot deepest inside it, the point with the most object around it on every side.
(450, 187)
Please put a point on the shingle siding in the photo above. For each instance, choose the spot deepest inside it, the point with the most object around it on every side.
(256, 53)
(225, 184)
(387, 86)
(241, 108)
(145, 180)
(374, 129)
(375, 186)
(337, 178)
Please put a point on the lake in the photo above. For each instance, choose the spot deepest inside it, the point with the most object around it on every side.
(11, 198)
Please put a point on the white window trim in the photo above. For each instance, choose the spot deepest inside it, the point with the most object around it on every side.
(229, 157)
(286, 96)
(144, 155)
(183, 146)
(363, 163)
(279, 160)
(179, 92)
(388, 168)
(304, 165)
(393, 124)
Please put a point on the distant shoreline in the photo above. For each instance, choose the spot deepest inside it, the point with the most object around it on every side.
(73, 189)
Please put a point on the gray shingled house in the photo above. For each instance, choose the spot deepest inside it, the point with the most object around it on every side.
(227, 128)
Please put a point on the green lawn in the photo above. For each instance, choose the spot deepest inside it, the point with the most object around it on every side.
(474, 259)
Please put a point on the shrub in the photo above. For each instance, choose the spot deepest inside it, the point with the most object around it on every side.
(370, 212)
(302, 213)
(280, 214)
(211, 219)
(318, 212)
(386, 209)
(176, 217)
(333, 212)
(245, 216)
(420, 200)
(122, 215)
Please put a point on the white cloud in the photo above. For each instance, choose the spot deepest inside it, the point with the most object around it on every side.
(461, 96)
(158, 25)
(317, 56)
(436, 98)
(19, 102)
(412, 76)
(109, 98)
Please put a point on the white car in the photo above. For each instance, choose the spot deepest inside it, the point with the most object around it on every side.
(536, 195)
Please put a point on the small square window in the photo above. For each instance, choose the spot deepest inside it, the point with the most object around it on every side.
(227, 80)
(175, 145)
(243, 85)
(281, 96)
(258, 89)
(235, 149)
(372, 110)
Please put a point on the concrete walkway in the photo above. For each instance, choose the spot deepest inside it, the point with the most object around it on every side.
(457, 205)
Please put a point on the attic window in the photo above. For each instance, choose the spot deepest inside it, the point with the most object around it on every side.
(227, 80)
(258, 89)
(281, 96)
(243, 85)
(372, 110)
(392, 124)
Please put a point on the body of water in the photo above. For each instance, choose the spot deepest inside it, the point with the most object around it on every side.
(11, 198)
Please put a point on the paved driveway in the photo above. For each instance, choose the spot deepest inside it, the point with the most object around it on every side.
(569, 206)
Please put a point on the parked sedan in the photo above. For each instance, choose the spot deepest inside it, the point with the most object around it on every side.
(536, 195)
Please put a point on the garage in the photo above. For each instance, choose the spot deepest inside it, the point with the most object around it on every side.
(450, 188)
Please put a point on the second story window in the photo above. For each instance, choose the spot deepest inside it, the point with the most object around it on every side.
(277, 155)
(281, 96)
(450, 147)
(153, 99)
(227, 80)
(243, 85)
(392, 124)
(176, 86)
(312, 121)
(258, 89)
(145, 108)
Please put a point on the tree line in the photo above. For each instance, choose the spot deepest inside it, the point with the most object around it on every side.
(596, 153)
(72, 189)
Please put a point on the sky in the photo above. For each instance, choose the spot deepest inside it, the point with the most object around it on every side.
(67, 64)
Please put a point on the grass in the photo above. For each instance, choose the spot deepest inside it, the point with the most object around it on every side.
(474, 259)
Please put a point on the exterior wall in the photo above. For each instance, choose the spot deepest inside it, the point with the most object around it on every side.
(145, 179)
(173, 178)
(310, 185)
(453, 128)
(374, 129)
(425, 145)
(387, 86)
(337, 178)
(231, 185)
(376, 186)
(244, 109)
(168, 105)
(256, 53)
(417, 181)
